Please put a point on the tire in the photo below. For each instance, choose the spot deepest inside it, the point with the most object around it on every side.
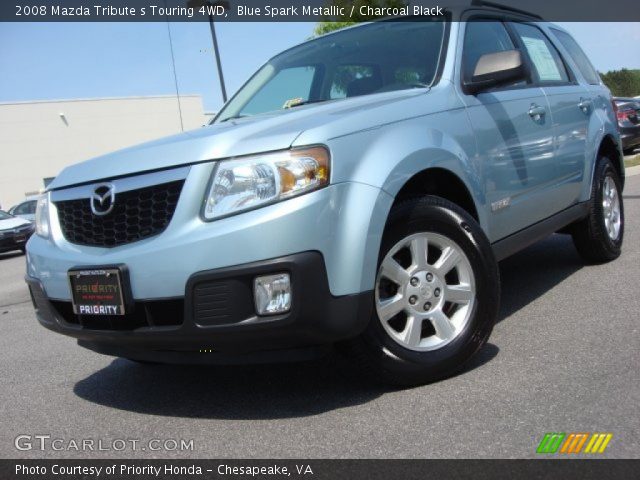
(378, 350)
(593, 239)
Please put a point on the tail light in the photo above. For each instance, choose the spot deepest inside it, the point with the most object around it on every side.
(623, 115)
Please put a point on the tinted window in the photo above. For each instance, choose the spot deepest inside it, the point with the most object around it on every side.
(21, 209)
(584, 65)
(343, 75)
(409, 75)
(378, 57)
(25, 208)
(482, 37)
(546, 60)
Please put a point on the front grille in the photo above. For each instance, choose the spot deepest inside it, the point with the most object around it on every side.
(137, 214)
(152, 313)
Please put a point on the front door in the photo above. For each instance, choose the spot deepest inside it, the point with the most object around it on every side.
(514, 135)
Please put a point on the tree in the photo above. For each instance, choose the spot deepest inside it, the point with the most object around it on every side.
(327, 25)
(622, 83)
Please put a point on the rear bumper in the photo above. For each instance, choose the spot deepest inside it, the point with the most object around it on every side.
(630, 136)
(233, 333)
(14, 242)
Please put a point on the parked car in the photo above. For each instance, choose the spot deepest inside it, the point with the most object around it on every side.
(628, 113)
(25, 209)
(14, 232)
(358, 191)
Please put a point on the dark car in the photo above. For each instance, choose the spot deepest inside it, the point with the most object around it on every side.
(629, 122)
(14, 232)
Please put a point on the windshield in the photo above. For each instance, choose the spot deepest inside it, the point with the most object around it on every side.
(5, 215)
(373, 58)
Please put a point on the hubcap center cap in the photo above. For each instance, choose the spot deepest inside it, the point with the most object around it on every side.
(425, 291)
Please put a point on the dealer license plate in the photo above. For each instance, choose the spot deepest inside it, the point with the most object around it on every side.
(97, 291)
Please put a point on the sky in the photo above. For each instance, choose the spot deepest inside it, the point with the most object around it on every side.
(45, 61)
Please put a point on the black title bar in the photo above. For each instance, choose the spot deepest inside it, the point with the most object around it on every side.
(298, 10)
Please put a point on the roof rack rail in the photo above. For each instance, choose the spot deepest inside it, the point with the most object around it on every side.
(483, 3)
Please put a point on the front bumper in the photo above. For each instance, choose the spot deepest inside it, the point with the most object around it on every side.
(344, 222)
(192, 330)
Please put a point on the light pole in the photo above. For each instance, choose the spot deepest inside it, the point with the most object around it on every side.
(211, 4)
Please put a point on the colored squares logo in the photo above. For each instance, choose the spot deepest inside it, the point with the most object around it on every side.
(574, 442)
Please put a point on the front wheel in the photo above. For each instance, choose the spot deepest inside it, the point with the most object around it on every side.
(437, 293)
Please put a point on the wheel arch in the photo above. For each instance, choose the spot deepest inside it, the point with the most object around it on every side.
(400, 159)
(612, 150)
(440, 182)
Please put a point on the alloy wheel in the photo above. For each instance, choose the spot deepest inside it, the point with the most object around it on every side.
(425, 291)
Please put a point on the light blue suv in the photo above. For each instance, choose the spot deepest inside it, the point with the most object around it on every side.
(357, 191)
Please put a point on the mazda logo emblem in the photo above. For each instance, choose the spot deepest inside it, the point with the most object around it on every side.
(103, 199)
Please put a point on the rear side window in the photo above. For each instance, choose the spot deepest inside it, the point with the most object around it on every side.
(547, 63)
(482, 37)
(582, 61)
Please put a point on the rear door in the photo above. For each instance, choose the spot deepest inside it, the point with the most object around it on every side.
(598, 93)
(514, 134)
(571, 105)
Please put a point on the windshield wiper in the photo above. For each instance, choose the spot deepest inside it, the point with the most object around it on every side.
(233, 117)
(307, 102)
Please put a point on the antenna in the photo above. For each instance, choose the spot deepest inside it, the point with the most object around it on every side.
(175, 76)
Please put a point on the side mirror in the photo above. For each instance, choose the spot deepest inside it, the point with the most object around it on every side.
(495, 69)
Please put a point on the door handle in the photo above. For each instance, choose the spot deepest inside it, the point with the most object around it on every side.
(536, 111)
(585, 105)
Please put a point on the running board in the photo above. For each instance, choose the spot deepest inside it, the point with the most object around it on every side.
(520, 240)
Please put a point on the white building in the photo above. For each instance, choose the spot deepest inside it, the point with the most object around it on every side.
(40, 138)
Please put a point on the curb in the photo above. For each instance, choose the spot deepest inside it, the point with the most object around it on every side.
(631, 171)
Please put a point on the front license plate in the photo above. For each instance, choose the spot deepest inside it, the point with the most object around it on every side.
(97, 291)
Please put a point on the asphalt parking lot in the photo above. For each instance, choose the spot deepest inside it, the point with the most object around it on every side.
(564, 357)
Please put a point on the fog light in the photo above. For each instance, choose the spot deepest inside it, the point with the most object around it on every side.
(272, 294)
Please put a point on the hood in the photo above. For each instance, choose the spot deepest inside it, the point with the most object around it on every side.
(11, 223)
(243, 136)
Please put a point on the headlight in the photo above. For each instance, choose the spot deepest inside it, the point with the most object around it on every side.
(42, 216)
(251, 182)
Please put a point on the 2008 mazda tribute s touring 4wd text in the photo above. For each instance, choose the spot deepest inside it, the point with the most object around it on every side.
(357, 191)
